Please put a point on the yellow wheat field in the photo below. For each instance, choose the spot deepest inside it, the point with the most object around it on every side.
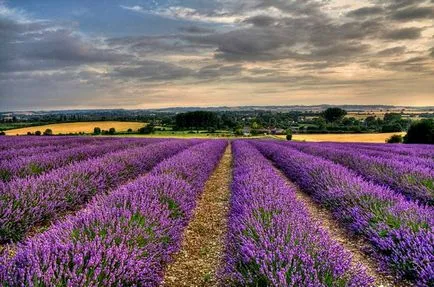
(367, 138)
(86, 127)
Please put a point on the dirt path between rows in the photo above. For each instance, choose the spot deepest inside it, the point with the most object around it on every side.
(351, 244)
(203, 245)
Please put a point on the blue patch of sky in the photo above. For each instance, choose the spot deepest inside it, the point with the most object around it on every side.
(107, 18)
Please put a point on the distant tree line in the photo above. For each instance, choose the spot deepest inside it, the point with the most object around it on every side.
(197, 120)
(256, 122)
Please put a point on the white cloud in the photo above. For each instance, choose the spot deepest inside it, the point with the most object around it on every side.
(133, 8)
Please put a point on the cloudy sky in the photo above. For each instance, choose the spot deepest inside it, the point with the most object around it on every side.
(149, 53)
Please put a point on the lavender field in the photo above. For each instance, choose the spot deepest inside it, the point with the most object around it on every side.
(96, 211)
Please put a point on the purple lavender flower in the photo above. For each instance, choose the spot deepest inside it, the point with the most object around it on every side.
(272, 241)
(400, 232)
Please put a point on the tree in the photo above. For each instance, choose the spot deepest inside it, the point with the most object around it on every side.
(38, 133)
(96, 131)
(421, 132)
(112, 131)
(48, 132)
(2, 133)
(148, 129)
(29, 133)
(395, 139)
(392, 117)
(129, 130)
(391, 128)
(371, 121)
(197, 120)
(333, 115)
(288, 135)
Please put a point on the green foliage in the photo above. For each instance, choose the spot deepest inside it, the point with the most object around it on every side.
(112, 131)
(38, 133)
(333, 115)
(148, 129)
(96, 131)
(392, 117)
(391, 128)
(2, 133)
(48, 132)
(288, 135)
(395, 139)
(197, 120)
(421, 132)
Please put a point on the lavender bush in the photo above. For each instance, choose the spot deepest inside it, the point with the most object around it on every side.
(17, 143)
(42, 162)
(12, 152)
(272, 241)
(123, 239)
(410, 179)
(414, 150)
(387, 154)
(26, 202)
(400, 232)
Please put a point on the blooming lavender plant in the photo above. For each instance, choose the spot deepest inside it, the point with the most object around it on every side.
(29, 201)
(43, 162)
(272, 240)
(412, 180)
(400, 232)
(414, 150)
(388, 154)
(123, 239)
(16, 143)
(30, 150)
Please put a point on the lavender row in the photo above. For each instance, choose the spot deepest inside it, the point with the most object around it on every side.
(26, 202)
(7, 143)
(387, 154)
(42, 162)
(12, 152)
(123, 239)
(31, 151)
(409, 179)
(414, 150)
(272, 240)
(400, 232)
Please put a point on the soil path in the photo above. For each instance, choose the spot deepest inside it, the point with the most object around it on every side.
(203, 245)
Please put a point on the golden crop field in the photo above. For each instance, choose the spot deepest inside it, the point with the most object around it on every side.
(367, 138)
(86, 127)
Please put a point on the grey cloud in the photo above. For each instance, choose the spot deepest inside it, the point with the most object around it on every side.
(397, 4)
(413, 13)
(42, 45)
(63, 45)
(251, 43)
(196, 30)
(416, 64)
(218, 70)
(392, 51)
(153, 70)
(342, 50)
(165, 44)
(261, 21)
(403, 34)
(366, 11)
